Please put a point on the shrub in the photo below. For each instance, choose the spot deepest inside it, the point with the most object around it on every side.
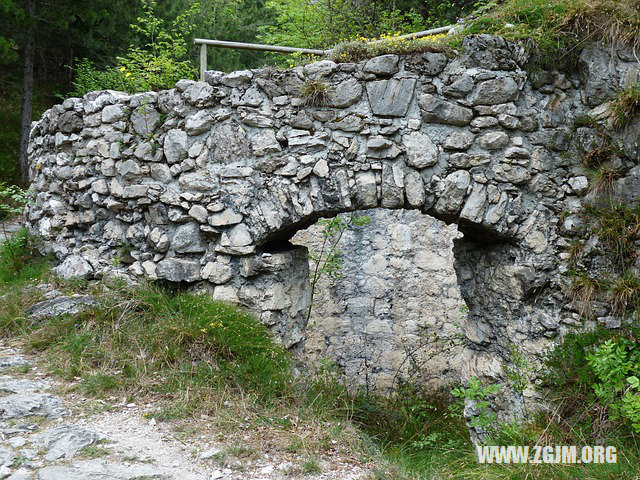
(616, 365)
(363, 48)
(158, 64)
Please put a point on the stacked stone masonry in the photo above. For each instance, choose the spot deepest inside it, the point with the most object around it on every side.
(205, 183)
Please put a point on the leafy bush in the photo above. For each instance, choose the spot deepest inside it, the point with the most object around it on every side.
(479, 394)
(158, 64)
(616, 365)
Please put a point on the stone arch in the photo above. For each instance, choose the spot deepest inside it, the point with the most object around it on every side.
(203, 184)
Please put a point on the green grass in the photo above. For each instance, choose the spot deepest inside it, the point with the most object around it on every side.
(148, 340)
(625, 107)
(555, 31)
(20, 261)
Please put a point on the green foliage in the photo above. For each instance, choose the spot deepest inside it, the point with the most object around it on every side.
(412, 420)
(478, 394)
(617, 225)
(20, 260)
(592, 376)
(323, 23)
(520, 370)
(328, 261)
(12, 200)
(616, 365)
(625, 107)
(159, 63)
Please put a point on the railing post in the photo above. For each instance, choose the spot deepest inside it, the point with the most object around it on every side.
(203, 60)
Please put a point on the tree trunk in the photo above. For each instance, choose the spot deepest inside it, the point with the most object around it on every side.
(27, 93)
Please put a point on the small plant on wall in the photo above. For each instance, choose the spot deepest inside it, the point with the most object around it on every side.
(328, 261)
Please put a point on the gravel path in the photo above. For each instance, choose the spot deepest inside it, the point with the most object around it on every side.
(49, 436)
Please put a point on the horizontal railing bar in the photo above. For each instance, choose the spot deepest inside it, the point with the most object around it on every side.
(203, 42)
(423, 33)
(258, 46)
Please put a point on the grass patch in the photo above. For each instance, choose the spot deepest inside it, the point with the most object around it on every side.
(365, 48)
(315, 93)
(625, 107)
(556, 31)
(148, 341)
(20, 260)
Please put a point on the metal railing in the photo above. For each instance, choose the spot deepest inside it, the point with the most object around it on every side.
(203, 42)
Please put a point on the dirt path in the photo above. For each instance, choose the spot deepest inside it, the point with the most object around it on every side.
(47, 434)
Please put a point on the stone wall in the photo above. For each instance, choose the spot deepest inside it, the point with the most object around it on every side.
(395, 306)
(205, 183)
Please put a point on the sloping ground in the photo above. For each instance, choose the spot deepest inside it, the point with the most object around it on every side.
(52, 435)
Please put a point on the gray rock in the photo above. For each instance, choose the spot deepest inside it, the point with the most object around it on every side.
(217, 273)
(440, 111)
(64, 305)
(238, 78)
(13, 361)
(64, 441)
(113, 113)
(14, 385)
(99, 469)
(420, 149)
(74, 266)
(187, 239)
(175, 146)
(382, 65)
(460, 87)
(198, 93)
(493, 140)
(454, 193)
(129, 169)
(178, 270)
(145, 119)
(320, 69)
(265, 142)
(70, 122)
(414, 189)
(21, 405)
(160, 172)
(7, 456)
(495, 91)
(391, 98)
(579, 184)
(345, 94)
(199, 122)
(459, 140)
(224, 218)
(238, 236)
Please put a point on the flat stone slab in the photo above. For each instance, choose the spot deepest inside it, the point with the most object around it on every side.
(99, 469)
(64, 441)
(13, 361)
(14, 385)
(56, 307)
(21, 405)
(7, 455)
